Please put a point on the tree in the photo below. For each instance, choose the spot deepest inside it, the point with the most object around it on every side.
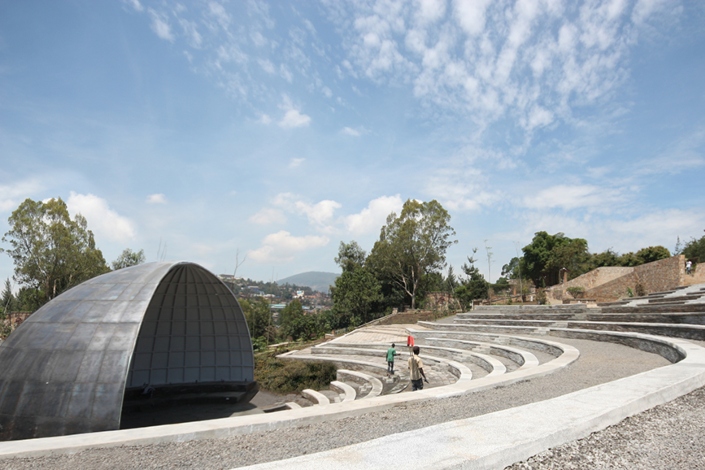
(51, 252)
(451, 280)
(128, 258)
(8, 299)
(511, 269)
(259, 317)
(653, 253)
(643, 256)
(411, 245)
(474, 286)
(356, 290)
(606, 258)
(694, 250)
(295, 324)
(350, 256)
(354, 295)
(547, 254)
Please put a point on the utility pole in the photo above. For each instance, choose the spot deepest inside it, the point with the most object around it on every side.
(489, 269)
(521, 287)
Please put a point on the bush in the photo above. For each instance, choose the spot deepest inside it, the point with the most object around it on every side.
(291, 376)
(541, 297)
(577, 292)
(639, 289)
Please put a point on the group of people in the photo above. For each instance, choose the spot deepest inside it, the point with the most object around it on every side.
(416, 373)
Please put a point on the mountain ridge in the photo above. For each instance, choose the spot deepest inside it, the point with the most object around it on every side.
(317, 280)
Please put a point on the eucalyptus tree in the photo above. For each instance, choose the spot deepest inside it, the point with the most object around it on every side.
(128, 258)
(51, 251)
(356, 290)
(411, 245)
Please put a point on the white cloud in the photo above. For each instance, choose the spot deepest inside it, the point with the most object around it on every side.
(660, 227)
(135, 4)
(103, 221)
(646, 9)
(461, 183)
(267, 66)
(351, 132)
(160, 26)
(191, 31)
(471, 15)
(156, 199)
(429, 11)
(528, 64)
(573, 197)
(12, 195)
(296, 162)
(374, 216)
(265, 119)
(217, 12)
(320, 214)
(686, 153)
(281, 247)
(293, 118)
(268, 216)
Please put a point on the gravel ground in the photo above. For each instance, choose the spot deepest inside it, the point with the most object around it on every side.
(664, 437)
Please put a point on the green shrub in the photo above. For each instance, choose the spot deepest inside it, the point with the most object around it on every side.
(639, 289)
(541, 297)
(577, 291)
(291, 376)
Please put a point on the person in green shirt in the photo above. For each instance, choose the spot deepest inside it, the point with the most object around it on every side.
(391, 352)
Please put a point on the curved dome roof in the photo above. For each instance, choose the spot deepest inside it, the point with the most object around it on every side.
(66, 368)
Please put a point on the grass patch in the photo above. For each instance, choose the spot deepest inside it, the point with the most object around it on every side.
(282, 377)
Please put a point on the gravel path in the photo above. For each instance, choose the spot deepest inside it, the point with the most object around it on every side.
(648, 437)
(666, 437)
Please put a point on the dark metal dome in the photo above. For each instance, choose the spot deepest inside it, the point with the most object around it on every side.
(154, 326)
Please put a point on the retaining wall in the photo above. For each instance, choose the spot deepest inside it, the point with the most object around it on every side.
(662, 275)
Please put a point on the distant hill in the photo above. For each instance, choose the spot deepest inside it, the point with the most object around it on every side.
(318, 281)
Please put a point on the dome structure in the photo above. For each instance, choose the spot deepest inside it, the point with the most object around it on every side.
(156, 329)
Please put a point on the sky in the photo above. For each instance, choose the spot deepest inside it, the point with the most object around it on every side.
(254, 137)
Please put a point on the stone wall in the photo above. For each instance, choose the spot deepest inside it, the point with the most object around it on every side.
(662, 275)
(612, 283)
(588, 281)
(615, 289)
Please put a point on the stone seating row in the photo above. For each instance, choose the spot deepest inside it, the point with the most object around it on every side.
(681, 295)
(338, 356)
(686, 331)
(435, 351)
(524, 359)
(630, 314)
(514, 309)
(482, 360)
(659, 344)
(653, 319)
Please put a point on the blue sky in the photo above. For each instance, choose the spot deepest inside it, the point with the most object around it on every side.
(269, 132)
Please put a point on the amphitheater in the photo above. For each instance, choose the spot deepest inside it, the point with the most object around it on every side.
(505, 384)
